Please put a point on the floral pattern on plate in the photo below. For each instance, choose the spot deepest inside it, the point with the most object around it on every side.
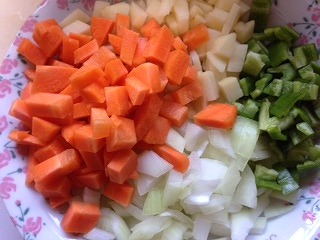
(29, 211)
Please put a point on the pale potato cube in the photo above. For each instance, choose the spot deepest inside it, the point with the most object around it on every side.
(195, 60)
(77, 27)
(198, 19)
(232, 19)
(195, 10)
(244, 31)
(218, 62)
(181, 13)
(237, 59)
(166, 7)
(111, 11)
(137, 15)
(225, 5)
(98, 6)
(206, 7)
(209, 85)
(204, 48)
(77, 14)
(208, 66)
(230, 88)
(153, 7)
(141, 3)
(212, 2)
(172, 24)
(216, 19)
(223, 46)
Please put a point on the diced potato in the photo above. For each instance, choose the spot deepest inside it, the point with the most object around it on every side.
(195, 59)
(202, 50)
(111, 11)
(141, 3)
(206, 7)
(98, 5)
(73, 16)
(212, 2)
(172, 24)
(245, 8)
(209, 85)
(77, 27)
(237, 59)
(153, 7)
(225, 5)
(232, 19)
(138, 15)
(181, 13)
(218, 62)
(195, 10)
(216, 19)
(198, 19)
(223, 46)
(166, 7)
(208, 66)
(231, 89)
(244, 31)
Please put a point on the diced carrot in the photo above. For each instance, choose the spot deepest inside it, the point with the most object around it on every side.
(120, 193)
(94, 179)
(80, 217)
(115, 71)
(67, 120)
(81, 110)
(32, 161)
(51, 79)
(67, 132)
(20, 111)
(136, 89)
(84, 52)
(219, 115)
(122, 165)
(50, 41)
(149, 29)
(27, 91)
(115, 42)
(142, 146)
(57, 166)
(178, 44)
(82, 38)
(69, 45)
(163, 79)
(58, 63)
(31, 52)
(128, 46)
(122, 22)
(84, 141)
(100, 123)
(190, 75)
(59, 188)
(138, 57)
(30, 74)
(49, 105)
(59, 202)
(101, 57)
(93, 93)
(74, 93)
(85, 75)
(25, 138)
(175, 112)
(49, 150)
(93, 161)
(145, 116)
(158, 132)
(117, 100)
(179, 160)
(100, 28)
(42, 27)
(159, 46)
(122, 135)
(176, 66)
(134, 175)
(195, 37)
(149, 74)
(188, 93)
(44, 130)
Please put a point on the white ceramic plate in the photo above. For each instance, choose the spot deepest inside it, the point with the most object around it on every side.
(29, 211)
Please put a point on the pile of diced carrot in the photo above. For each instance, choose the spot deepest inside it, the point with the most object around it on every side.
(94, 102)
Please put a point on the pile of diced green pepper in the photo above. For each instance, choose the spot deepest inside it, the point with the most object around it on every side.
(280, 82)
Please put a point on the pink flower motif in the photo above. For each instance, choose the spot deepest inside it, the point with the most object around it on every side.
(63, 4)
(5, 157)
(314, 188)
(303, 40)
(18, 203)
(5, 88)
(318, 42)
(315, 17)
(17, 41)
(32, 226)
(29, 24)
(309, 217)
(3, 122)
(8, 65)
(6, 187)
(88, 4)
